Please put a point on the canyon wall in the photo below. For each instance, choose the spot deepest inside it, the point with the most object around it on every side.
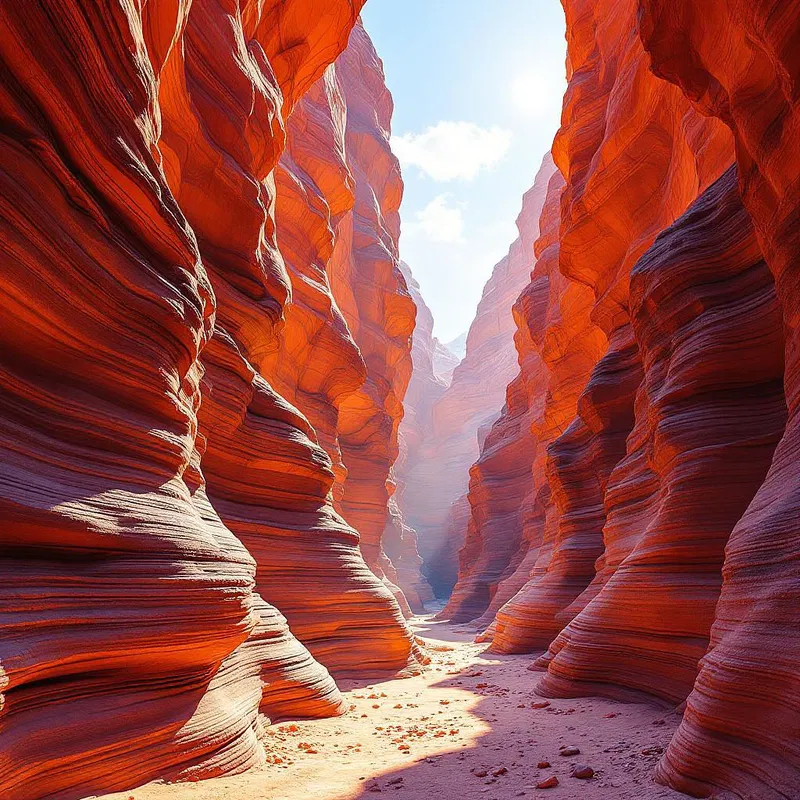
(372, 294)
(740, 729)
(437, 475)
(176, 378)
(633, 515)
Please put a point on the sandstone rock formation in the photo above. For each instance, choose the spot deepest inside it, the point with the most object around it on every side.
(437, 475)
(140, 255)
(614, 100)
(707, 323)
(668, 532)
(740, 727)
(371, 291)
(430, 359)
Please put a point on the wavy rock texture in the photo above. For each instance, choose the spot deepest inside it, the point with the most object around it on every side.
(503, 501)
(704, 309)
(634, 154)
(372, 294)
(437, 476)
(113, 563)
(261, 459)
(308, 557)
(662, 457)
(740, 730)
(139, 230)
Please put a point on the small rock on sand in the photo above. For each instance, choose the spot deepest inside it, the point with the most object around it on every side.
(582, 771)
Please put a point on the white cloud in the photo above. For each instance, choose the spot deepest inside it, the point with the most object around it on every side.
(438, 221)
(450, 150)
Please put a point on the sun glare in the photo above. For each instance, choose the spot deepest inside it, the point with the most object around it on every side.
(537, 94)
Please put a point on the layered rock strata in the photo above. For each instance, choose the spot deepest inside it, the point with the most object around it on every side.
(371, 292)
(429, 358)
(506, 507)
(669, 532)
(740, 729)
(139, 229)
(616, 114)
(707, 322)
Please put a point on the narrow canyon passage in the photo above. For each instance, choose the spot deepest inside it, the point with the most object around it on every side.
(255, 427)
(470, 726)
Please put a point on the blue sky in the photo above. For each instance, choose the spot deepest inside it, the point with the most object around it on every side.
(477, 87)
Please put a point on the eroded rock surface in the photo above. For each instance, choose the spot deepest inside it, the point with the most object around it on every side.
(149, 411)
(667, 563)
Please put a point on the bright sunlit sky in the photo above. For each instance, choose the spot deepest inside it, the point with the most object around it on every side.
(477, 88)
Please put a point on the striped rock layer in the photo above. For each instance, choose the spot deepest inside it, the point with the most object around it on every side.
(658, 556)
(175, 366)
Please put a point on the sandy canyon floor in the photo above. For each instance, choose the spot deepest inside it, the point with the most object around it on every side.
(470, 727)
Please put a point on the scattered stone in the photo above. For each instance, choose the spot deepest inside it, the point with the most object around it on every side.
(548, 783)
(543, 765)
(481, 773)
(569, 750)
(501, 771)
(394, 781)
(582, 771)
(541, 704)
(656, 750)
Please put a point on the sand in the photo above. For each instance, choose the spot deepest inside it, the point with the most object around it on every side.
(467, 728)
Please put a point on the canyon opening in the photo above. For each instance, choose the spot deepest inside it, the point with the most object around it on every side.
(295, 505)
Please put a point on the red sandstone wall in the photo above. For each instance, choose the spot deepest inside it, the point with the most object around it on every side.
(424, 389)
(372, 295)
(706, 319)
(141, 217)
(740, 727)
(669, 534)
(616, 114)
(503, 502)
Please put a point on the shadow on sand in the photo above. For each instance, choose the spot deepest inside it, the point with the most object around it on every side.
(503, 761)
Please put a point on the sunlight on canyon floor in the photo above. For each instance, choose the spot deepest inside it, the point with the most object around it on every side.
(469, 727)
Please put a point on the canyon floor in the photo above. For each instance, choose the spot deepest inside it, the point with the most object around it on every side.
(467, 728)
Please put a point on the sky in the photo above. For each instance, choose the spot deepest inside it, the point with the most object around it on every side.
(477, 88)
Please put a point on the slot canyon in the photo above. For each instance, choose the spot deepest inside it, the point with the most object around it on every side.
(264, 534)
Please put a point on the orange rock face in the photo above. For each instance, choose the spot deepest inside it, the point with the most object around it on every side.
(667, 558)
(429, 358)
(371, 292)
(612, 100)
(740, 727)
(161, 394)
(707, 323)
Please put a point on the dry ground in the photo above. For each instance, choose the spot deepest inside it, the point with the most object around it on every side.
(467, 728)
